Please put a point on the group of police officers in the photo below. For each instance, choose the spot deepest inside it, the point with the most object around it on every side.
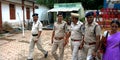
(84, 37)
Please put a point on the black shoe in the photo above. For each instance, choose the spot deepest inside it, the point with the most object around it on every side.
(45, 56)
(29, 59)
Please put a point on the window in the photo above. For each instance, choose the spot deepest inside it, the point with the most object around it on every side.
(0, 17)
(12, 11)
(28, 13)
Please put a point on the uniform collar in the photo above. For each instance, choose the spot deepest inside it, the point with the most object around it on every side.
(93, 23)
(61, 22)
(78, 22)
(35, 22)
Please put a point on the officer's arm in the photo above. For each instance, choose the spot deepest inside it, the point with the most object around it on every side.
(82, 29)
(97, 43)
(82, 40)
(67, 36)
(53, 33)
(98, 32)
(83, 32)
(68, 33)
(39, 33)
(39, 30)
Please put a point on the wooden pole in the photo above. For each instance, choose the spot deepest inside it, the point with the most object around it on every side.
(23, 23)
(33, 7)
(23, 12)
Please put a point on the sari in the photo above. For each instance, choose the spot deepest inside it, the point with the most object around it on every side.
(113, 47)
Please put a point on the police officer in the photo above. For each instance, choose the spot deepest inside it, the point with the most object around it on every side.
(76, 36)
(91, 37)
(58, 37)
(36, 34)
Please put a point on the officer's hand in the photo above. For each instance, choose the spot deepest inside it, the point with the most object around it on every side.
(65, 44)
(52, 41)
(94, 54)
(81, 46)
(36, 40)
(66, 41)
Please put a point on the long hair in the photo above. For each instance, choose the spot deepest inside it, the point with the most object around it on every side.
(116, 22)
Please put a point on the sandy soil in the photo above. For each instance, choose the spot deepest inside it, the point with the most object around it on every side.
(15, 47)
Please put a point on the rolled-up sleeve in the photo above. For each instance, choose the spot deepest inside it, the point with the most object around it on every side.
(98, 30)
(40, 26)
(66, 30)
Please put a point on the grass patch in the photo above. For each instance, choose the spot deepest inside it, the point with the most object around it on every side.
(1, 35)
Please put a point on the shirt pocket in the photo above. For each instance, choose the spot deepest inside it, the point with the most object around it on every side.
(91, 32)
(36, 26)
(62, 27)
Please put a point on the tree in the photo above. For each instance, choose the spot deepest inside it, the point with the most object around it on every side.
(87, 4)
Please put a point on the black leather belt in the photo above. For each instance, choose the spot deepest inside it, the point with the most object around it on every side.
(74, 40)
(92, 43)
(59, 38)
(34, 34)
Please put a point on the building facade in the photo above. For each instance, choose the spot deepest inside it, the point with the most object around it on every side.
(16, 11)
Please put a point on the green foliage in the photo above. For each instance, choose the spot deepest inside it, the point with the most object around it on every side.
(48, 3)
(87, 4)
(82, 19)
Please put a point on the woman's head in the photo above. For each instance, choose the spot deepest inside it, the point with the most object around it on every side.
(115, 24)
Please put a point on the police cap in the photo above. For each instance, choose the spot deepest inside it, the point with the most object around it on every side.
(89, 14)
(35, 14)
(75, 15)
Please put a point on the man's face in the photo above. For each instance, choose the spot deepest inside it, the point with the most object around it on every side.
(60, 17)
(74, 19)
(35, 18)
(90, 19)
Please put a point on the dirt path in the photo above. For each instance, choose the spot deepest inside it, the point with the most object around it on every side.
(15, 47)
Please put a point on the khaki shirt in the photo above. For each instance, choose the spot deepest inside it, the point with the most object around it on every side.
(76, 32)
(60, 29)
(36, 27)
(89, 32)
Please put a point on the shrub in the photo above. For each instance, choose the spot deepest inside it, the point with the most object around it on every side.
(7, 26)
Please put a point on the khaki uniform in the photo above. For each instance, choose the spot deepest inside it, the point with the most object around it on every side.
(76, 39)
(60, 30)
(35, 28)
(90, 39)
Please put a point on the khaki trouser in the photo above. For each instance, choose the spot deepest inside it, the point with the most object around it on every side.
(32, 45)
(56, 44)
(88, 50)
(76, 53)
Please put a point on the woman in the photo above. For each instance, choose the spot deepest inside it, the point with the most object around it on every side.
(113, 42)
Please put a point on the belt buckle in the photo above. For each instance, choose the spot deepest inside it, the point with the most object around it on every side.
(72, 39)
(86, 43)
(56, 38)
(34, 34)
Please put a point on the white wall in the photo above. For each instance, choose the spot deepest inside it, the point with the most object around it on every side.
(5, 12)
(42, 11)
(18, 13)
(20, 1)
